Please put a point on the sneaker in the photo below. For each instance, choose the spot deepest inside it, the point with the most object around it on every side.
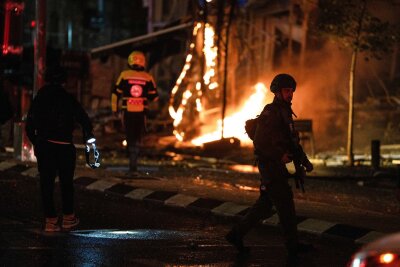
(52, 225)
(70, 221)
(237, 242)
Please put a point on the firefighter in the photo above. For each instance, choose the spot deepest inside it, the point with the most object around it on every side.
(136, 87)
(273, 145)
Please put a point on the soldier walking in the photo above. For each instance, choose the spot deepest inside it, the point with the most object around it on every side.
(276, 144)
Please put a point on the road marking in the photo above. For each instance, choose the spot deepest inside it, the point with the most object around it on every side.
(315, 226)
(229, 208)
(371, 236)
(139, 193)
(100, 185)
(4, 165)
(274, 220)
(32, 172)
(180, 200)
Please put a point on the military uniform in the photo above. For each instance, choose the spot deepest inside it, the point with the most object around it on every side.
(136, 87)
(273, 139)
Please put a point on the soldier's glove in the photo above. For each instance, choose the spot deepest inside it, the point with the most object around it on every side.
(308, 165)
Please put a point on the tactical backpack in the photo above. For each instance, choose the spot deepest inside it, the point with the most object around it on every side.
(251, 126)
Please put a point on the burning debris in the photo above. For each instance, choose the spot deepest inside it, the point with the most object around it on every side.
(196, 112)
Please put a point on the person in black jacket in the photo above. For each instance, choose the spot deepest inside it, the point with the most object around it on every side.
(49, 126)
(276, 144)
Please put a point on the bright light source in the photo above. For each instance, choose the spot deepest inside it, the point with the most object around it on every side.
(386, 258)
(252, 107)
(91, 140)
(356, 263)
(124, 143)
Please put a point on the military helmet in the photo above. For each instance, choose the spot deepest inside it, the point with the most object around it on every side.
(137, 58)
(282, 80)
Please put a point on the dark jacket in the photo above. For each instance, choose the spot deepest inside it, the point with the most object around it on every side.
(273, 138)
(53, 114)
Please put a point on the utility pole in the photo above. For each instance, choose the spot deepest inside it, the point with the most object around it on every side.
(39, 46)
(224, 96)
(22, 147)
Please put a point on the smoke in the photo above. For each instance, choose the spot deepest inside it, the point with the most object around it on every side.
(321, 94)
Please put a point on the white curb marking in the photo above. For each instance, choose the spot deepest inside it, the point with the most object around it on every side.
(371, 236)
(229, 208)
(32, 172)
(315, 226)
(180, 200)
(274, 219)
(139, 193)
(6, 165)
(100, 185)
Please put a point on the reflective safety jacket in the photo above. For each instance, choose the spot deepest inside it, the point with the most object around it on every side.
(136, 88)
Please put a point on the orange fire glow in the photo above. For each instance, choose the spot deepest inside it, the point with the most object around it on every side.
(234, 124)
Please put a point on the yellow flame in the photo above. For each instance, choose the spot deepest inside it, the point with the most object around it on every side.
(234, 124)
(210, 53)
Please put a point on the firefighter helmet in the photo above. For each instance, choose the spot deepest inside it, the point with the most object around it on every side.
(282, 80)
(137, 58)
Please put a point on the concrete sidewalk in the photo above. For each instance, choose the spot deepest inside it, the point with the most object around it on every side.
(222, 193)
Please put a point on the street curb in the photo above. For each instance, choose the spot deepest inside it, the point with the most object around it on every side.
(215, 207)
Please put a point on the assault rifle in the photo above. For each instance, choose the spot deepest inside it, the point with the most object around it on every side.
(300, 161)
(299, 174)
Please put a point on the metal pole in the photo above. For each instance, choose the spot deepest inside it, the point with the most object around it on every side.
(375, 154)
(39, 46)
(226, 66)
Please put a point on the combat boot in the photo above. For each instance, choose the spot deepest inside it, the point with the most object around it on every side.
(237, 241)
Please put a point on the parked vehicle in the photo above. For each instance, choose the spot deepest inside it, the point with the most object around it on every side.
(384, 252)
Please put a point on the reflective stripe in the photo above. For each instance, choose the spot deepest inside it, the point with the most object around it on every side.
(114, 102)
(58, 142)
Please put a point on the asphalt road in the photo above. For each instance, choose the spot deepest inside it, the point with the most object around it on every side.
(122, 232)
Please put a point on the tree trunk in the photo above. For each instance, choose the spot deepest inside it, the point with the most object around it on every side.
(350, 155)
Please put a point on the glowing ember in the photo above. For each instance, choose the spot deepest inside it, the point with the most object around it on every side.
(234, 124)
